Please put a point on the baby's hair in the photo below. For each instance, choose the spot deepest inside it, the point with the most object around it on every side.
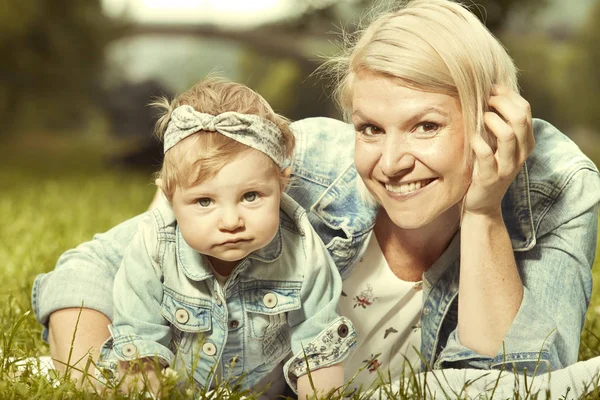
(204, 154)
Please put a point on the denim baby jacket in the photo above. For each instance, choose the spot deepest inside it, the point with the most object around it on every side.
(278, 299)
(550, 210)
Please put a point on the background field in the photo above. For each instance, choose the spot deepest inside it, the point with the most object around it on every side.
(56, 195)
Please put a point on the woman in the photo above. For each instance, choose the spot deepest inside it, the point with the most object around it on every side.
(439, 196)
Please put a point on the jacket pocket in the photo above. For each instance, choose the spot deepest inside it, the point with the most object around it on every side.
(267, 304)
(188, 317)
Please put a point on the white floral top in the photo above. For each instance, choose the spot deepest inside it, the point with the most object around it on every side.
(386, 313)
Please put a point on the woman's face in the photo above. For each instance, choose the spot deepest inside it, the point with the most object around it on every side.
(410, 150)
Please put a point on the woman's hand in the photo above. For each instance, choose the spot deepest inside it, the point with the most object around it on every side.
(493, 172)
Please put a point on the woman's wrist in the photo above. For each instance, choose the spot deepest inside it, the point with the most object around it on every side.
(477, 217)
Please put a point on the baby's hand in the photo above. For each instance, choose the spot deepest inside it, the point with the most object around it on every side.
(139, 376)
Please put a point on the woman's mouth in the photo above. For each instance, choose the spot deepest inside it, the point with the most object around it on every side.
(407, 188)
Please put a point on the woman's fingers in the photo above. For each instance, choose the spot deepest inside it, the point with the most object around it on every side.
(516, 112)
(507, 142)
(485, 165)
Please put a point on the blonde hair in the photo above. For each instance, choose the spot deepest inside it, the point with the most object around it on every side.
(205, 153)
(430, 45)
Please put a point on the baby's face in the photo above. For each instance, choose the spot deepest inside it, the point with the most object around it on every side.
(232, 214)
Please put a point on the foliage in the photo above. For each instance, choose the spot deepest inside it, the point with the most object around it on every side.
(495, 13)
(585, 90)
(52, 57)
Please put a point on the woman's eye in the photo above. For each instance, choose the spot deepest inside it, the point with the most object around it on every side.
(369, 130)
(204, 202)
(428, 128)
(250, 196)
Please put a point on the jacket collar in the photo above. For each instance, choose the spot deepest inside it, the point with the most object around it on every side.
(340, 207)
(196, 266)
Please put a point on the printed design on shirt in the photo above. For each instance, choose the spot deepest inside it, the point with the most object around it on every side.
(372, 364)
(365, 298)
(416, 327)
(388, 331)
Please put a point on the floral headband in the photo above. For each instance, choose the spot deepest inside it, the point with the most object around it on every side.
(251, 130)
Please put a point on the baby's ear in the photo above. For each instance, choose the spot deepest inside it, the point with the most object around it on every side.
(158, 182)
(285, 176)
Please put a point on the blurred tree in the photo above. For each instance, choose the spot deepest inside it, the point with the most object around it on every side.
(52, 57)
(495, 13)
(585, 90)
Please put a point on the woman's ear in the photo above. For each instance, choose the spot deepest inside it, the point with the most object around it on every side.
(285, 177)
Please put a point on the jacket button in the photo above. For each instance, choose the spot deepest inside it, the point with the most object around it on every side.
(129, 350)
(234, 324)
(182, 316)
(426, 311)
(209, 349)
(270, 300)
(343, 330)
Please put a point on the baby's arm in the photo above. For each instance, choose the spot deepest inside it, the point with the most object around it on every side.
(324, 380)
(321, 338)
(140, 335)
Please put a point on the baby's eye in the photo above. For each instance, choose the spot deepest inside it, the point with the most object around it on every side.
(250, 196)
(204, 202)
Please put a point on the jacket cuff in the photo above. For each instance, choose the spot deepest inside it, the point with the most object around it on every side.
(330, 347)
(524, 350)
(56, 290)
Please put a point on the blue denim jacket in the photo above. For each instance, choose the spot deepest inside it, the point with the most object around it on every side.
(280, 298)
(550, 210)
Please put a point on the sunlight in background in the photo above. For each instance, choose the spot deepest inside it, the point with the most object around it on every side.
(239, 13)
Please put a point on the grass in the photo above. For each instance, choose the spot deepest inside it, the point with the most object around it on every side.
(57, 193)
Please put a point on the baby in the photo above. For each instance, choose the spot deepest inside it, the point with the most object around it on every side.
(228, 277)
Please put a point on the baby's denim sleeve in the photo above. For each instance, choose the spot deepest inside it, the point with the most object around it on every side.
(320, 336)
(139, 330)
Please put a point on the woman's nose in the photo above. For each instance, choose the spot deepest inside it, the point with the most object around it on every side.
(396, 156)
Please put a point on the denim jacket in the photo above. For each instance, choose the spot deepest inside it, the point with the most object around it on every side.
(550, 210)
(281, 298)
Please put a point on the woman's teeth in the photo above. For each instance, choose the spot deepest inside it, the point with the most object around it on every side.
(407, 187)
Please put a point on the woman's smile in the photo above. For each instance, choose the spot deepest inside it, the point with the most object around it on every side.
(408, 188)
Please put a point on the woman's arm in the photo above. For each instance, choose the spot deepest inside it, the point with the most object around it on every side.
(555, 268)
(490, 287)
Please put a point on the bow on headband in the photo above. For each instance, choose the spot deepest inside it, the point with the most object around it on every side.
(251, 130)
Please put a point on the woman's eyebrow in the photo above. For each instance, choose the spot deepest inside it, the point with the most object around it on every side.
(418, 114)
(431, 109)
